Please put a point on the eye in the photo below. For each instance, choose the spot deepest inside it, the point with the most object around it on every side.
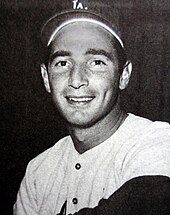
(97, 63)
(62, 63)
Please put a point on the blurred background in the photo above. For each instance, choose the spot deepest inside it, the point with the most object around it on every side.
(29, 123)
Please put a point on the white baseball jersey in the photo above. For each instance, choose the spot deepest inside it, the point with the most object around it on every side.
(139, 147)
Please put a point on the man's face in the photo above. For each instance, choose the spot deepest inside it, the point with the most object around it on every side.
(83, 73)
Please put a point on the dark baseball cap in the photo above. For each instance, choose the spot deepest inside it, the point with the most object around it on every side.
(100, 12)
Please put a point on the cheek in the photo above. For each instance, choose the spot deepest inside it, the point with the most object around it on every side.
(106, 82)
(110, 92)
(57, 82)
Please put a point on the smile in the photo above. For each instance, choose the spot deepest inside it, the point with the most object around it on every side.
(80, 99)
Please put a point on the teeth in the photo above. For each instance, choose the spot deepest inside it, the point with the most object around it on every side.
(85, 99)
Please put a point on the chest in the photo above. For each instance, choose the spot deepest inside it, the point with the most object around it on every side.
(82, 181)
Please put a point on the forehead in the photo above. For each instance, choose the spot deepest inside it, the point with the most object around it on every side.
(81, 36)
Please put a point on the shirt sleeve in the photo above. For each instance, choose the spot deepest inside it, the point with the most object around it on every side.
(142, 195)
(26, 197)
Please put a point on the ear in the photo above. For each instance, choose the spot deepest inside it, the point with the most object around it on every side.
(45, 78)
(125, 76)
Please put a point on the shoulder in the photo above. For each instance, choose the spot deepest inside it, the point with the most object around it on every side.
(155, 133)
(141, 122)
(48, 159)
(147, 148)
(138, 134)
(38, 174)
(144, 129)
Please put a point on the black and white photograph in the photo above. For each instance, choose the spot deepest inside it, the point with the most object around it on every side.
(85, 107)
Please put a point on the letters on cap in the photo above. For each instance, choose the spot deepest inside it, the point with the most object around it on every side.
(78, 5)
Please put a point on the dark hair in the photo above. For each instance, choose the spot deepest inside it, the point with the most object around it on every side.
(46, 55)
(121, 55)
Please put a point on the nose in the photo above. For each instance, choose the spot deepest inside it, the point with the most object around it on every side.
(78, 78)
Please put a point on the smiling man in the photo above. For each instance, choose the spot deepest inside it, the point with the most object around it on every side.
(112, 162)
(84, 77)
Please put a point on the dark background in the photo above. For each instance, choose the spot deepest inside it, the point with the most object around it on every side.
(29, 123)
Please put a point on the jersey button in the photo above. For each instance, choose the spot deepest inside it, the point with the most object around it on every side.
(77, 166)
(75, 201)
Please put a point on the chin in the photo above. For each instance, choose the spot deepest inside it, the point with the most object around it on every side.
(84, 122)
(79, 123)
(84, 118)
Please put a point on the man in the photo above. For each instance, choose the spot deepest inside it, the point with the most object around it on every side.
(112, 162)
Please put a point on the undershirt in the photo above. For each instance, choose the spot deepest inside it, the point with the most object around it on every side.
(139, 147)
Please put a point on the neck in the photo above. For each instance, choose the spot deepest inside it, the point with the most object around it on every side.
(87, 138)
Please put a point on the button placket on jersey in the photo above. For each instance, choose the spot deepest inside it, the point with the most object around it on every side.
(77, 168)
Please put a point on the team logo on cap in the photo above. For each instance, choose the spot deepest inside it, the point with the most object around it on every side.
(78, 5)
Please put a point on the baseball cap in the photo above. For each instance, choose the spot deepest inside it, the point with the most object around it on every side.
(102, 13)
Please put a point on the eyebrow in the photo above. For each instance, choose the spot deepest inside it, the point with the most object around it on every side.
(63, 53)
(99, 52)
(60, 53)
